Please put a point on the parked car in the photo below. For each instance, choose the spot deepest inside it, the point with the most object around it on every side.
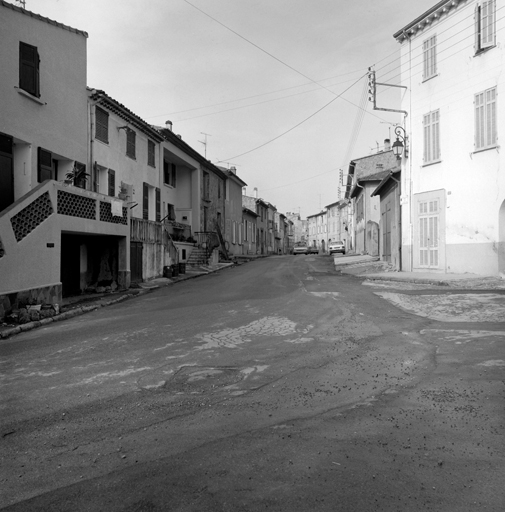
(299, 249)
(336, 247)
(312, 250)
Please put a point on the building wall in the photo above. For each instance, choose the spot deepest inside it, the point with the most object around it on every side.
(234, 229)
(57, 121)
(469, 184)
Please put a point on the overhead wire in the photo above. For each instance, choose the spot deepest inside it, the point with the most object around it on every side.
(296, 125)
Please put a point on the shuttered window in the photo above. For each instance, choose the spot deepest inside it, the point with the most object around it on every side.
(485, 119)
(151, 160)
(485, 25)
(430, 57)
(44, 165)
(102, 125)
(130, 143)
(431, 128)
(29, 77)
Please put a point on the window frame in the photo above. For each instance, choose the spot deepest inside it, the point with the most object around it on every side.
(111, 183)
(483, 131)
(485, 25)
(101, 125)
(131, 138)
(430, 58)
(151, 153)
(431, 137)
(29, 70)
(44, 170)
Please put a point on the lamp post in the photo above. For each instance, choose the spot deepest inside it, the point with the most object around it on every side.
(400, 144)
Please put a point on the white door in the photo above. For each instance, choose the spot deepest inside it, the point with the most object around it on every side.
(429, 238)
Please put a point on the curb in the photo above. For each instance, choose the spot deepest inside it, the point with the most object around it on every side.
(7, 333)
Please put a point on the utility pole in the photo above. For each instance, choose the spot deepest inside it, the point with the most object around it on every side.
(204, 142)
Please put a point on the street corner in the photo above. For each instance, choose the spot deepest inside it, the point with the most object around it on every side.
(451, 307)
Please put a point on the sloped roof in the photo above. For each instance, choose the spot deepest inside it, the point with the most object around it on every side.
(390, 176)
(377, 162)
(43, 18)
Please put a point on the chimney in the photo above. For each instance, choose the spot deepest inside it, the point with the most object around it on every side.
(168, 125)
(256, 192)
(387, 144)
(244, 191)
(233, 170)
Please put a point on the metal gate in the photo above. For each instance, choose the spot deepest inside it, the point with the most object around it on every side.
(136, 261)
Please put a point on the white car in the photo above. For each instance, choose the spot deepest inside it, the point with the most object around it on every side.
(335, 247)
(299, 249)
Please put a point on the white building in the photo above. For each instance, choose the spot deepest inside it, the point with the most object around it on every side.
(453, 178)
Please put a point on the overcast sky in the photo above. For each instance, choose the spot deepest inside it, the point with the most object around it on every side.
(244, 72)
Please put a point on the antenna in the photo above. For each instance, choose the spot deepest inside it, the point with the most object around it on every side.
(204, 142)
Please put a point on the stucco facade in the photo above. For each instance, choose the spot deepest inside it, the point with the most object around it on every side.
(453, 183)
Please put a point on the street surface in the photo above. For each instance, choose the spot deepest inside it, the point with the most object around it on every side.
(276, 385)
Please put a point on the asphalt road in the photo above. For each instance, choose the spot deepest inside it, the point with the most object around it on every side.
(276, 385)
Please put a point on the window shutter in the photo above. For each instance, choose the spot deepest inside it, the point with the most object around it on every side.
(158, 204)
(130, 143)
(112, 182)
(145, 201)
(487, 24)
(45, 165)
(151, 160)
(29, 69)
(101, 125)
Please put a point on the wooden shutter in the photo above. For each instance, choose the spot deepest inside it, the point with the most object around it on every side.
(45, 165)
(145, 201)
(29, 69)
(101, 125)
(487, 24)
(150, 153)
(158, 204)
(112, 182)
(130, 143)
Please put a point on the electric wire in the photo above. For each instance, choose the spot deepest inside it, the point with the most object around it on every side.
(296, 125)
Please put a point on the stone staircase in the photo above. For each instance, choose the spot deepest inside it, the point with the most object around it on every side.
(197, 258)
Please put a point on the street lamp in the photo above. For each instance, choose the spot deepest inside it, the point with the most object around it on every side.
(398, 144)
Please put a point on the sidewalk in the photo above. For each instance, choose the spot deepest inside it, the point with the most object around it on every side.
(372, 269)
(80, 304)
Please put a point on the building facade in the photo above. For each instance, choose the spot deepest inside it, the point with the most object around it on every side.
(453, 183)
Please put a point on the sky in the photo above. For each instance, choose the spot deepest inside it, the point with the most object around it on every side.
(275, 88)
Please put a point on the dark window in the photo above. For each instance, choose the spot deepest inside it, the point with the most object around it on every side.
(169, 173)
(45, 165)
(130, 143)
(102, 125)
(80, 176)
(150, 153)
(158, 204)
(206, 185)
(145, 201)
(29, 61)
(112, 183)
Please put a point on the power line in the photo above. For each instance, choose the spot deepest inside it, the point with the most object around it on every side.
(297, 125)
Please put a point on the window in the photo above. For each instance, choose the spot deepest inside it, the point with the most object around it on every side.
(151, 159)
(80, 176)
(29, 78)
(145, 201)
(44, 165)
(111, 183)
(430, 57)
(206, 186)
(485, 25)
(431, 127)
(169, 173)
(102, 125)
(158, 204)
(485, 119)
(130, 143)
